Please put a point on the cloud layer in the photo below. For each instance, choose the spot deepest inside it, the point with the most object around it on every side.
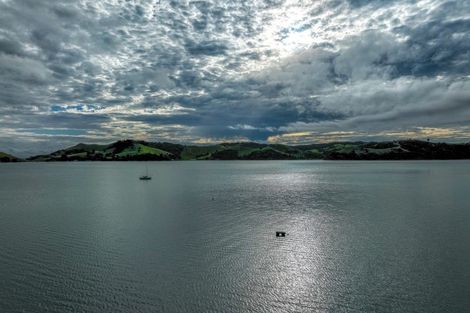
(207, 71)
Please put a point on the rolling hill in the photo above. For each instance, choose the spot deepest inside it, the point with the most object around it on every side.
(5, 157)
(130, 150)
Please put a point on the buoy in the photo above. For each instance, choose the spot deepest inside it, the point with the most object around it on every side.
(280, 234)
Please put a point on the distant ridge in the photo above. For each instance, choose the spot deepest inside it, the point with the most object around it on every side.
(131, 150)
(5, 157)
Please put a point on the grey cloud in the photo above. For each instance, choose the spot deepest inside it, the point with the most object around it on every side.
(206, 48)
(403, 105)
(10, 46)
(272, 64)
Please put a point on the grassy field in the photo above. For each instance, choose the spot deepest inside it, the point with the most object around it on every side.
(140, 149)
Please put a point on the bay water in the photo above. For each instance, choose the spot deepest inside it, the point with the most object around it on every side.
(200, 236)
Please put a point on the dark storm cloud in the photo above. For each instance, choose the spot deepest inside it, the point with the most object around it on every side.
(206, 48)
(207, 70)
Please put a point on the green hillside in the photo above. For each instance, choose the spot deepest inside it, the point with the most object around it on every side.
(129, 150)
(5, 157)
(121, 150)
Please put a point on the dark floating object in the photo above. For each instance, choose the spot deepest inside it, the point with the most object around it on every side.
(280, 234)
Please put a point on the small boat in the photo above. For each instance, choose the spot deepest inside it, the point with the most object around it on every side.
(146, 176)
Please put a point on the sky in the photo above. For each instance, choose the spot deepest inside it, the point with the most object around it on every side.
(201, 72)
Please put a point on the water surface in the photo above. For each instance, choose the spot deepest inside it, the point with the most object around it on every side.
(200, 237)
